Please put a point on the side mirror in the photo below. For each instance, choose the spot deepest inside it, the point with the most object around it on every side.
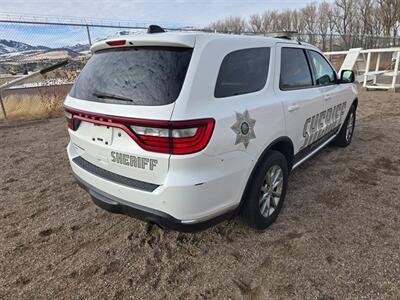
(324, 80)
(347, 76)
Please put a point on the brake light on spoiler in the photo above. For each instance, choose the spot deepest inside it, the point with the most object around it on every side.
(116, 43)
(173, 137)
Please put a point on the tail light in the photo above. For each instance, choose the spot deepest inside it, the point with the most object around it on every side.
(181, 137)
(173, 137)
(68, 116)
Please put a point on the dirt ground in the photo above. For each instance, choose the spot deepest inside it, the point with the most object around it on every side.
(337, 237)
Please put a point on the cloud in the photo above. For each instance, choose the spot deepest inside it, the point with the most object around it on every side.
(53, 36)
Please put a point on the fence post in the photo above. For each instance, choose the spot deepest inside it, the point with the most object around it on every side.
(88, 33)
(2, 107)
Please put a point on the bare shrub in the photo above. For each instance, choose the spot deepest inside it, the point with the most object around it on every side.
(51, 99)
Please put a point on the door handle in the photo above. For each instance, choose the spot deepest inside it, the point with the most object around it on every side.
(327, 97)
(293, 107)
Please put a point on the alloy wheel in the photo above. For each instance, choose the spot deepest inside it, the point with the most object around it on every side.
(271, 190)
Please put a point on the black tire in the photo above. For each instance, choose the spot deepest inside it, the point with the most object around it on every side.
(251, 210)
(343, 139)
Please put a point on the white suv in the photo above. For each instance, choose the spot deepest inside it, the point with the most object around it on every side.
(187, 129)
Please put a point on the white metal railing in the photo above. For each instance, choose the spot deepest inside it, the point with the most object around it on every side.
(394, 73)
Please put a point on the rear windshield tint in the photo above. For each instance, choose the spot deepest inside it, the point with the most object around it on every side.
(147, 76)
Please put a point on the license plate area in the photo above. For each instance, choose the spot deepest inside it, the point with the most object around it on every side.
(99, 134)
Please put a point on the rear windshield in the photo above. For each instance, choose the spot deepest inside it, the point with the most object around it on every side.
(136, 75)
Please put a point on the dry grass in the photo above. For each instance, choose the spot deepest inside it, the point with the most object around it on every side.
(19, 107)
(35, 103)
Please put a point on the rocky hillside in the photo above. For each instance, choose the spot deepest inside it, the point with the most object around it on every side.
(8, 46)
(13, 51)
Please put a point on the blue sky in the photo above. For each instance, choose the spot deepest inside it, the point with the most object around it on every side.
(53, 36)
(195, 13)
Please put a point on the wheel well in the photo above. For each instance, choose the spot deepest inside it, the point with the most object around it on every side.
(355, 102)
(286, 148)
(283, 145)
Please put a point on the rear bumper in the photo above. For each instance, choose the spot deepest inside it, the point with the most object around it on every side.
(162, 219)
(192, 191)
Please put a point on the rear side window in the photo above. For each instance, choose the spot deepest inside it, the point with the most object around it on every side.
(295, 72)
(147, 76)
(324, 73)
(242, 72)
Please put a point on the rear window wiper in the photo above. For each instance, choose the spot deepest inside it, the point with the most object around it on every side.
(103, 95)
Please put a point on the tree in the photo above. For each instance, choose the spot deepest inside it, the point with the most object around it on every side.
(389, 11)
(324, 10)
(356, 22)
(270, 19)
(343, 13)
(232, 24)
(298, 21)
(309, 14)
(332, 26)
(365, 11)
(285, 20)
(256, 23)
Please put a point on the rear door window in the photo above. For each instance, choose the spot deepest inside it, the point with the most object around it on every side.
(147, 76)
(295, 71)
(242, 72)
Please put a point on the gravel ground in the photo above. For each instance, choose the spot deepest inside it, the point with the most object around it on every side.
(337, 237)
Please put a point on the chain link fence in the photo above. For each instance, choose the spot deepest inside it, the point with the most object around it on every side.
(29, 45)
(337, 42)
(26, 47)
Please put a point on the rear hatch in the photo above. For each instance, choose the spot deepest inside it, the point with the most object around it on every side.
(120, 106)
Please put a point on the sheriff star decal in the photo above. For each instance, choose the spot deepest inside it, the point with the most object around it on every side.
(244, 128)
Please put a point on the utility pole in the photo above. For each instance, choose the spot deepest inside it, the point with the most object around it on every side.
(89, 38)
(2, 107)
